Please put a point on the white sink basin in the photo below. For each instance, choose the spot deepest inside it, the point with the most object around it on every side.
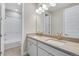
(55, 42)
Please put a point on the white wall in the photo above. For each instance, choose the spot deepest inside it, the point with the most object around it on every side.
(29, 23)
(57, 21)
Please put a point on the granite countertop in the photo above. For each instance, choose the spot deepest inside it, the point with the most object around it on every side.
(64, 45)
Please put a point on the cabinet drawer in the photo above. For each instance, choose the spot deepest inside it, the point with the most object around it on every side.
(52, 50)
(33, 41)
(32, 50)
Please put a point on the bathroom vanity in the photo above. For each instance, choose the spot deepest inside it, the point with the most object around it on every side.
(49, 46)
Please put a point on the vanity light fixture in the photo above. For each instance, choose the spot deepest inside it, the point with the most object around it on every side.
(44, 7)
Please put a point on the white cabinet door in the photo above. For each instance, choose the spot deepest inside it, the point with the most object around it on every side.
(32, 49)
(41, 52)
(52, 50)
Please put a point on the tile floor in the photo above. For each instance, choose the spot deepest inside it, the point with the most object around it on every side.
(13, 52)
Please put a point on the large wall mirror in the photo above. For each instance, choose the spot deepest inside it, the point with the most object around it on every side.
(63, 18)
(44, 23)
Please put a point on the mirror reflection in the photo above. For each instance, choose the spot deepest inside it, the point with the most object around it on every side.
(58, 19)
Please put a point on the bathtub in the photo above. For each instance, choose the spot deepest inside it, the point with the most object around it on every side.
(12, 40)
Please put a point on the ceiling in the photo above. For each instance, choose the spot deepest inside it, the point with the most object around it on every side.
(58, 6)
(61, 6)
(51, 9)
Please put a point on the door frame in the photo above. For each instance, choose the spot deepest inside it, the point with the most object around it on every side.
(22, 41)
(2, 28)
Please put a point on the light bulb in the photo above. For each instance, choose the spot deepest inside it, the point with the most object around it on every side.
(19, 3)
(37, 11)
(41, 9)
(44, 7)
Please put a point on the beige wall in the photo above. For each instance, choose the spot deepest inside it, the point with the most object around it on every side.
(57, 21)
(29, 23)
